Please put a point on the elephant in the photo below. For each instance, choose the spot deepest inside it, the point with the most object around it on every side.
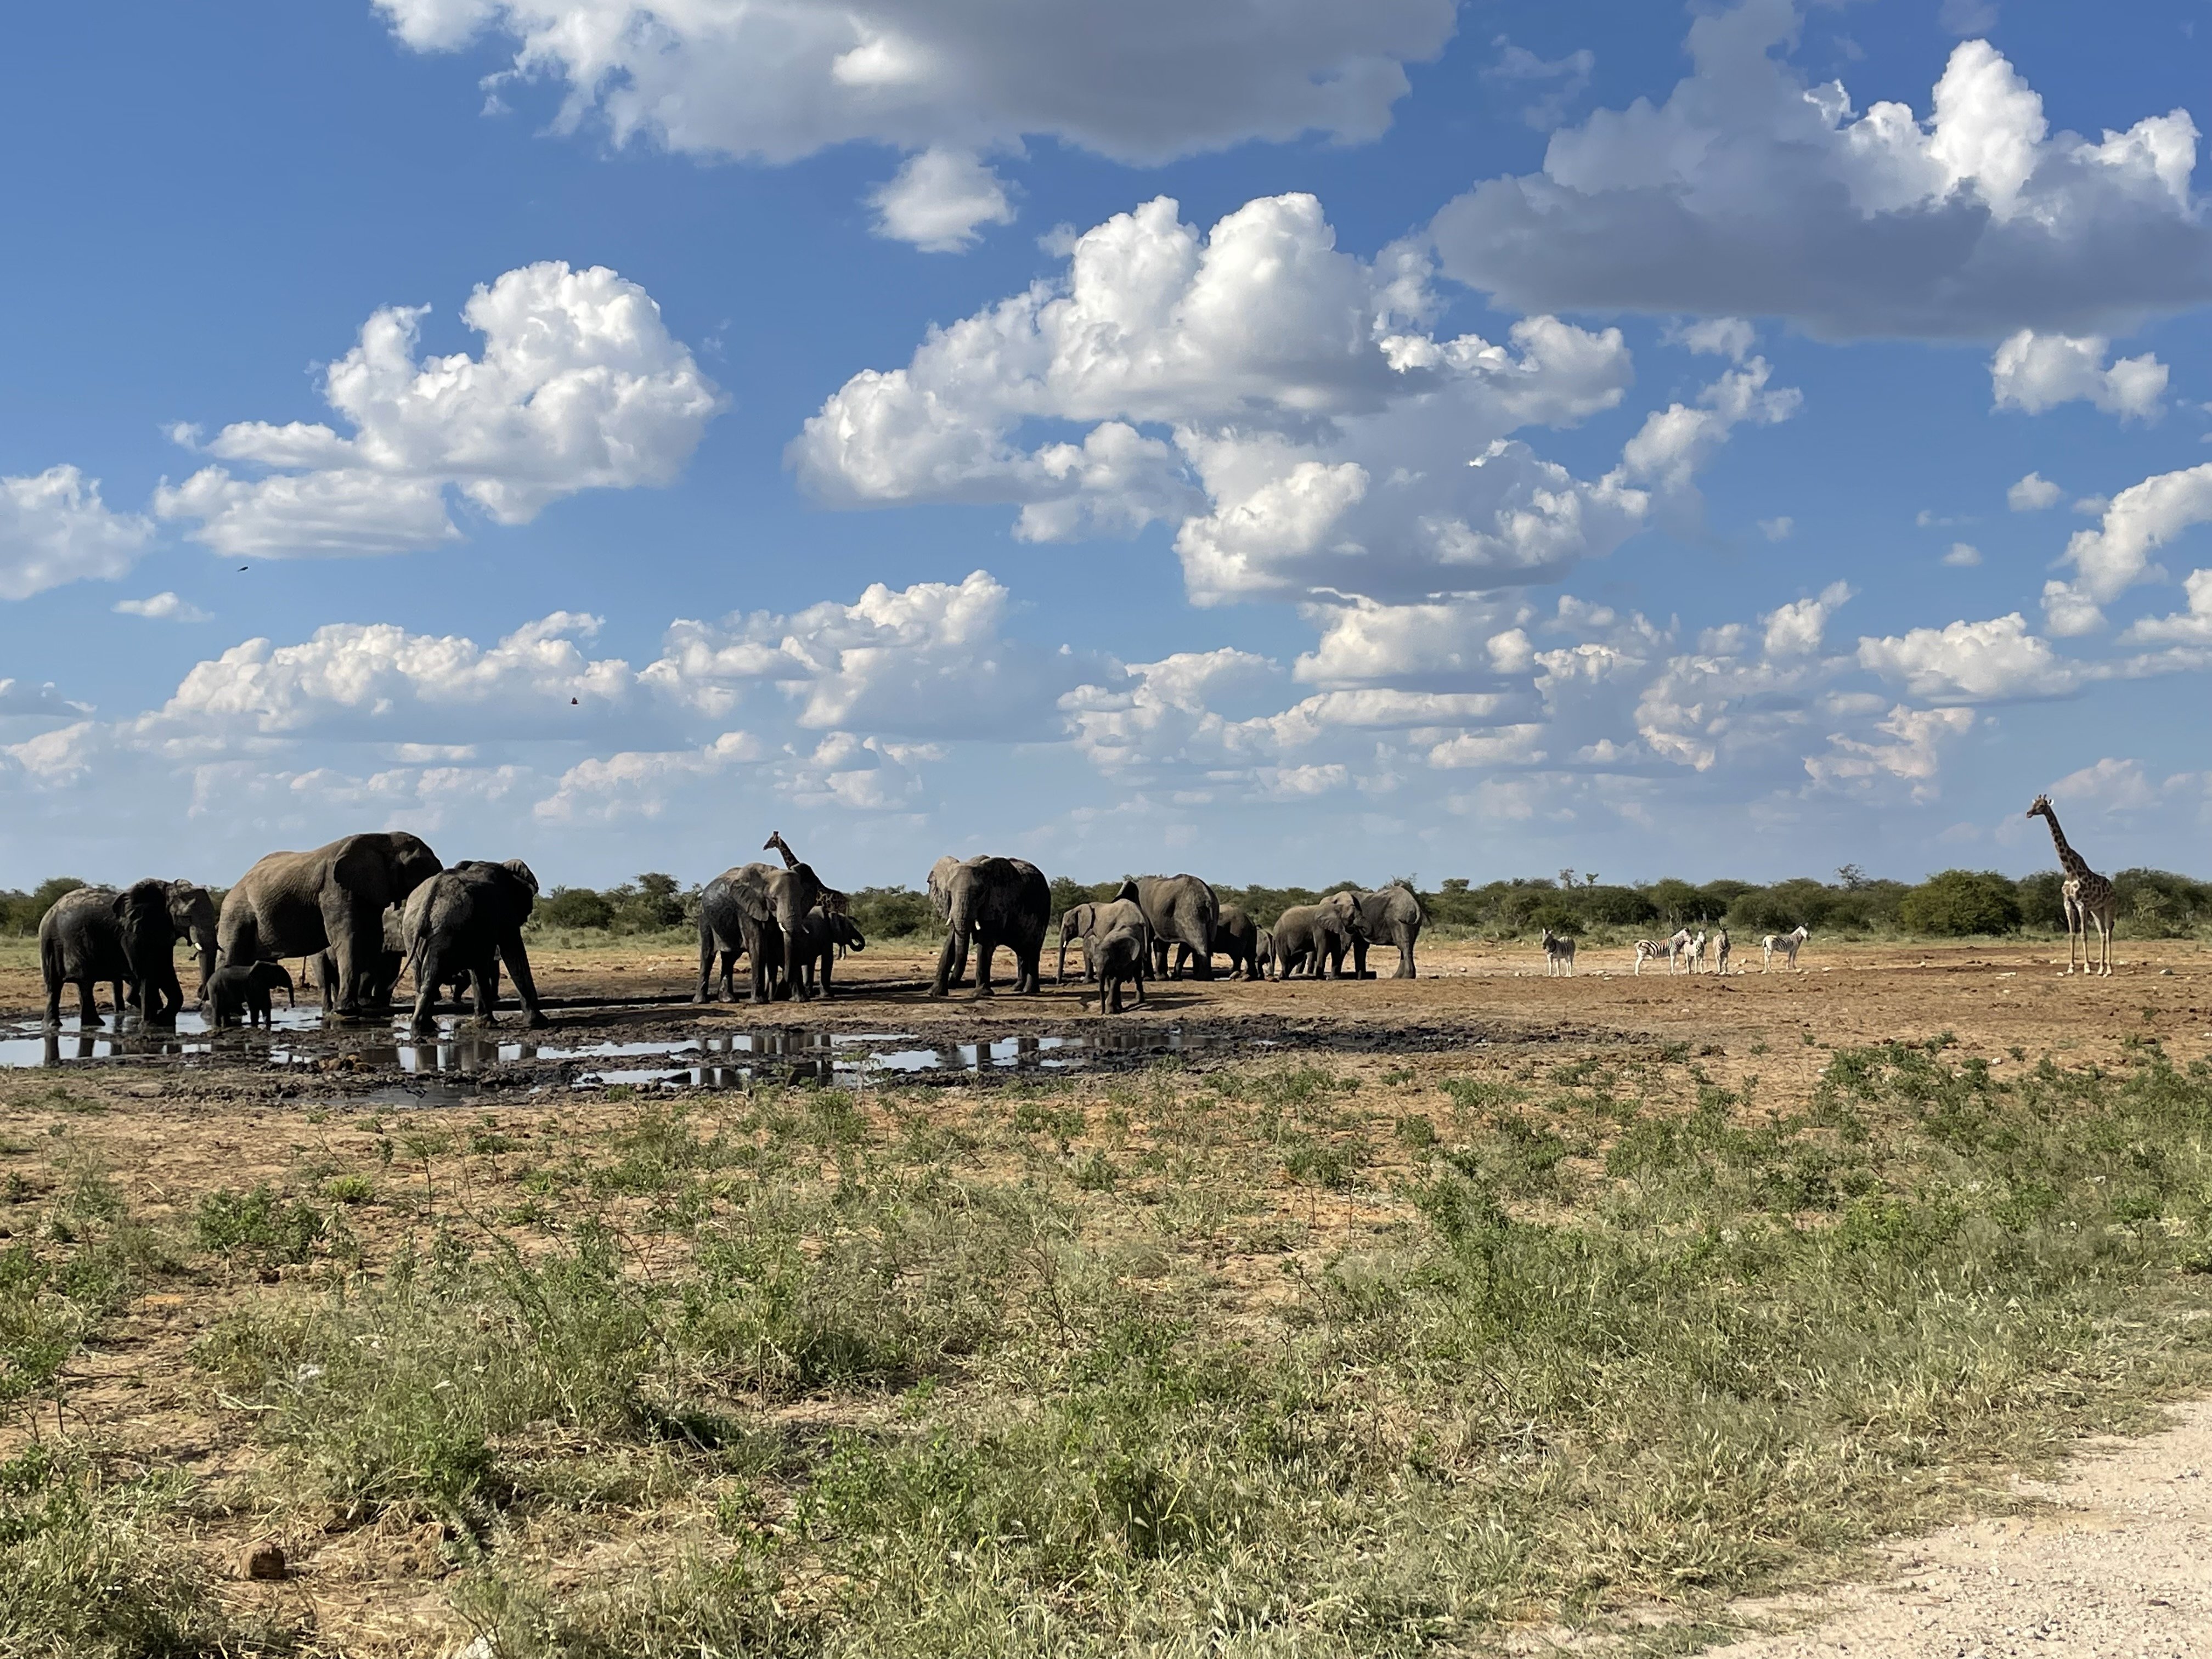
(300, 904)
(191, 912)
(1076, 926)
(1312, 936)
(1388, 915)
(1121, 954)
(940, 900)
(821, 936)
(240, 993)
(1236, 938)
(1263, 954)
(468, 919)
(1180, 910)
(380, 975)
(761, 911)
(94, 933)
(1000, 901)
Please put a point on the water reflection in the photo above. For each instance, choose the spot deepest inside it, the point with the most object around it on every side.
(722, 1059)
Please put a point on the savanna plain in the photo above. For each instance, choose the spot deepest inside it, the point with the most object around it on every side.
(1480, 1313)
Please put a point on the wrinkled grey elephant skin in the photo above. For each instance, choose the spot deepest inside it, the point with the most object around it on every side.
(940, 900)
(469, 920)
(191, 912)
(1121, 953)
(1182, 910)
(1388, 915)
(95, 934)
(998, 901)
(301, 904)
(1312, 937)
(760, 910)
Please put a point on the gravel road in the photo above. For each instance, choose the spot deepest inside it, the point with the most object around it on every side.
(2119, 1564)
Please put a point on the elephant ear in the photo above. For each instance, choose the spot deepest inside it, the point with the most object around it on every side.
(524, 873)
(1126, 891)
(362, 865)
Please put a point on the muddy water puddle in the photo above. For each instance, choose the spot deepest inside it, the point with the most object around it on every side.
(445, 1066)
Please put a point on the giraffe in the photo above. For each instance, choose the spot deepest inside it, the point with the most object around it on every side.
(2088, 896)
(834, 902)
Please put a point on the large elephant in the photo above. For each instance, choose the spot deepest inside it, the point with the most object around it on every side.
(469, 920)
(94, 933)
(940, 900)
(1388, 915)
(761, 911)
(999, 901)
(1182, 910)
(1312, 936)
(300, 904)
(379, 973)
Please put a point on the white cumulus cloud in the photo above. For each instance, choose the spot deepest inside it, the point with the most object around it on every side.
(54, 529)
(2117, 555)
(579, 386)
(2034, 371)
(775, 80)
(2032, 494)
(937, 200)
(1971, 661)
(1281, 401)
(161, 607)
(1750, 192)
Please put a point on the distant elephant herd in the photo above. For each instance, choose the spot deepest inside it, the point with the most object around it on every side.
(366, 908)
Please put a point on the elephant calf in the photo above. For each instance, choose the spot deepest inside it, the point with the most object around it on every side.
(469, 920)
(1121, 955)
(1263, 954)
(820, 937)
(241, 993)
(1312, 937)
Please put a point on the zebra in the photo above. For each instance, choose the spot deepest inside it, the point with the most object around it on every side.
(1559, 952)
(1721, 950)
(1785, 944)
(1650, 949)
(1696, 951)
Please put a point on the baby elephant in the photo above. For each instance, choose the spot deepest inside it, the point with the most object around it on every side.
(238, 994)
(1119, 956)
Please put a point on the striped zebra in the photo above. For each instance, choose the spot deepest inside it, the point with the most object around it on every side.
(1559, 952)
(1783, 945)
(1650, 949)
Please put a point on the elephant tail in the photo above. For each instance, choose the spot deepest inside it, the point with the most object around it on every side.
(418, 944)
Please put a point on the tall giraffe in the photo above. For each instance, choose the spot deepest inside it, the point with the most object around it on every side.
(2087, 895)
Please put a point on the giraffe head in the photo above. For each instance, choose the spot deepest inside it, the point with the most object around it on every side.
(2039, 807)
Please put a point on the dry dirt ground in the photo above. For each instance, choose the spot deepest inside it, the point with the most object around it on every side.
(2113, 1564)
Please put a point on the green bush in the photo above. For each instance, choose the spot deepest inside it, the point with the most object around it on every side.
(1955, 903)
(22, 913)
(574, 907)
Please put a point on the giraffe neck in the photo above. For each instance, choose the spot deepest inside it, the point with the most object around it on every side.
(2074, 863)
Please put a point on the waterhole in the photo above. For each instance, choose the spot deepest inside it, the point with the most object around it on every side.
(457, 1053)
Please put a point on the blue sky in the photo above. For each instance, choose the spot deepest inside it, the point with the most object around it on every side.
(1267, 437)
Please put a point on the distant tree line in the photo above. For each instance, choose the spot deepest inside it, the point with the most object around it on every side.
(1952, 904)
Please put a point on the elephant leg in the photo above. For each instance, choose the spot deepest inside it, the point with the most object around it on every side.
(948, 963)
(356, 931)
(88, 1015)
(706, 962)
(986, 945)
(430, 968)
(487, 993)
(1406, 959)
(526, 984)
